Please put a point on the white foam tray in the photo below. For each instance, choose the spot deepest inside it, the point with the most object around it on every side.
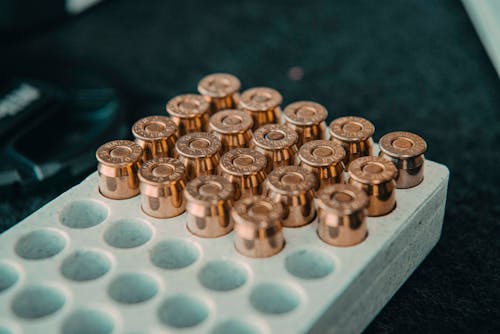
(75, 266)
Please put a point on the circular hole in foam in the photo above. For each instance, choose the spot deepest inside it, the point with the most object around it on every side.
(309, 264)
(234, 326)
(5, 330)
(40, 244)
(128, 233)
(182, 311)
(174, 254)
(85, 265)
(273, 298)
(86, 321)
(8, 276)
(222, 275)
(83, 214)
(132, 288)
(37, 301)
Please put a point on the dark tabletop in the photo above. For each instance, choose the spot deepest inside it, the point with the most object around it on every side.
(415, 65)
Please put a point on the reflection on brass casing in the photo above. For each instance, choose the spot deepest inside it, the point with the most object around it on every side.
(278, 143)
(209, 202)
(263, 104)
(162, 185)
(156, 135)
(355, 136)
(325, 159)
(232, 127)
(220, 90)
(406, 150)
(308, 119)
(376, 176)
(190, 112)
(245, 168)
(293, 187)
(199, 153)
(257, 226)
(342, 215)
(119, 161)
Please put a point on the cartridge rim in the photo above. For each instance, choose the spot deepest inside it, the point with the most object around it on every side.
(119, 153)
(231, 121)
(198, 145)
(291, 180)
(344, 199)
(161, 171)
(402, 144)
(275, 136)
(154, 127)
(243, 161)
(372, 170)
(209, 189)
(351, 128)
(257, 212)
(321, 153)
(219, 85)
(187, 106)
(305, 113)
(260, 99)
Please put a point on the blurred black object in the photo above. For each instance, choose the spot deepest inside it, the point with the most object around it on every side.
(16, 15)
(49, 131)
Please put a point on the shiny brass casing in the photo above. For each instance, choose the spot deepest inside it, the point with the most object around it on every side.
(190, 112)
(263, 104)
(220, 90)
(293, 187)
(377, 177)
(406, 150)
(257, 226)
(162, 185)
(209, 202)
(233, 128)
(199, 152)
(342, 215)
(119, 161)
(307, 119)
(156, 135)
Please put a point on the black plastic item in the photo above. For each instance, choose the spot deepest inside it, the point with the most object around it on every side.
(51, 133)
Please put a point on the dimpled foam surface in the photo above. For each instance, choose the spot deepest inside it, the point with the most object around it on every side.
(87, 264)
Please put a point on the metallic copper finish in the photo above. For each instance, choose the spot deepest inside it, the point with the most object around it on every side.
(245, 168)
(199, 153)
(220, 90)
(355, 136)
(263, 104)
(406, 150)
(232, 127)
(119, 161)
(156, 135)
(293, 187)
(376, 176)
(190, 112)
(308, 119)
(209, 202)
(277, 143)
(325, 159)
(257, 226)
(342, 215)
(162, 185)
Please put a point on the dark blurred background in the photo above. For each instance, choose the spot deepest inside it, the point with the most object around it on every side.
(414, 65)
